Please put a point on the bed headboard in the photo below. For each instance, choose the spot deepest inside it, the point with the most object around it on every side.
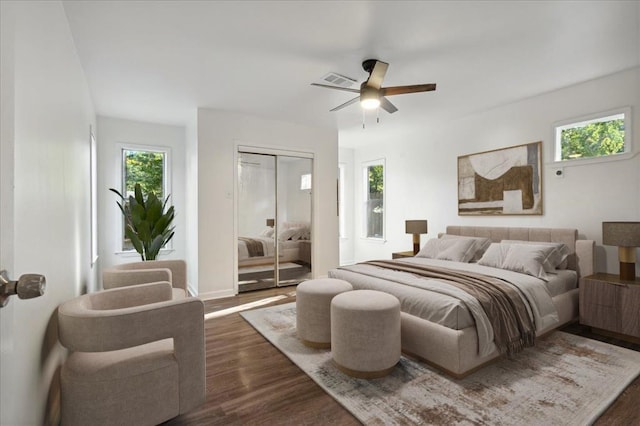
(581, 259)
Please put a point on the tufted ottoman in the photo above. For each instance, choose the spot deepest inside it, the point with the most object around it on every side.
(313, 310)
(365, 333)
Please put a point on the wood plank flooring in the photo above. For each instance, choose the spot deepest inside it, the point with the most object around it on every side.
(249, 382)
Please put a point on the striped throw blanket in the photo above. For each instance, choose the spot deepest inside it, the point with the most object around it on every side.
(254, 247)
(512, 326)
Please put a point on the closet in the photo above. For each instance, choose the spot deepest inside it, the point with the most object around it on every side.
(274, 205)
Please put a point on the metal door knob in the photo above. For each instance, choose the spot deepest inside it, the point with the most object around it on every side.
(26, 287)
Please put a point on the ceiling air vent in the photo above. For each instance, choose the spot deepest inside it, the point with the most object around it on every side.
(338, 80)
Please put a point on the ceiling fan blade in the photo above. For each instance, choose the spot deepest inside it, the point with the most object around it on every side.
(387, 106)
(346, 104)
(400, 90)
(345, 89)
(377, 74)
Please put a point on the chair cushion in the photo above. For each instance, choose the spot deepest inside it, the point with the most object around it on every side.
(138, 360)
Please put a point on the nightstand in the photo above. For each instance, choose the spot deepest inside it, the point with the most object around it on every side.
(611, 305)
(305, 251)
(401, 254)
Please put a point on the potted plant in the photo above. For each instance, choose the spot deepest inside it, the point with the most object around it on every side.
(147, 224)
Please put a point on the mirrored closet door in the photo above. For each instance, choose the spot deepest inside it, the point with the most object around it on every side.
(274, 220)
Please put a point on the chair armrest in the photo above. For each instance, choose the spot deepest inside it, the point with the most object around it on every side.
(114, 278)
(178, 269)
(98, 330)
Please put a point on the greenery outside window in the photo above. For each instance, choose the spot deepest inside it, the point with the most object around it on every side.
(149, 167)
(597, 136)
(374, 174)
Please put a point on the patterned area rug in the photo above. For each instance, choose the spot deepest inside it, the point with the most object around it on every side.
(564, 380)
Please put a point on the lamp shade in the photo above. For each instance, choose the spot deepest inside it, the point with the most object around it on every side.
(621, 234)
(416, 226)
(271, 222)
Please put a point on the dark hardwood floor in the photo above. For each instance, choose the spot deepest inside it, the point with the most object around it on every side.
(250, 382)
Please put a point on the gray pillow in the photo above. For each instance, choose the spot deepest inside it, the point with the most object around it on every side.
(524, 258)
(481, 244)
(457, 250)
(558, 259)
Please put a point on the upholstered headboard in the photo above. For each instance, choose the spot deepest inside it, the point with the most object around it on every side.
(581, 259)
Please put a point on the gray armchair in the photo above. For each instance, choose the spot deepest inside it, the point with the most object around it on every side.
(138, 356)
(174, 271)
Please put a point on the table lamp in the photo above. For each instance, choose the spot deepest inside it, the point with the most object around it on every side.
(625, 235)
(416, 227)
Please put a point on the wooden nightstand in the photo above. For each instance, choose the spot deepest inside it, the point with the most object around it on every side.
(401, 254)
(611, 305)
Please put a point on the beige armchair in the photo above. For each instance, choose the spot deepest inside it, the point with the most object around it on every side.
(174, 271)
(138, 356)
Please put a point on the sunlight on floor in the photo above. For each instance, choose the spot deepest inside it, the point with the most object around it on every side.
(244, 307)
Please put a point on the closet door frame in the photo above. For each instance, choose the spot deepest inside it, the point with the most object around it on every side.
(275, 151)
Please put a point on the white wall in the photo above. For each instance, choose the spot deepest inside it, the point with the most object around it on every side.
(422, 168)
(112, 132)
(191, 203)
(219, 134)
(49, 108)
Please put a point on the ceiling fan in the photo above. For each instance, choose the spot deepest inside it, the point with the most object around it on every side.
(372, 94)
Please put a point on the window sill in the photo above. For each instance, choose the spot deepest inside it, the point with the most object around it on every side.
(133, 253)
(593, 160)
(374, 240)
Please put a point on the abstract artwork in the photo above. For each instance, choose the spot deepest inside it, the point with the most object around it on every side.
(506, 181)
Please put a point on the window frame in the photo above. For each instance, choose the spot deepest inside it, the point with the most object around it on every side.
(166, 184)
(585, 120)
(342, 225)
(365, 198)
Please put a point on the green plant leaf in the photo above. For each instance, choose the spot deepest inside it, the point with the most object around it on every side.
(154, 210)
(137, 244)
(155, 246)
(138, 192)
(117, 192)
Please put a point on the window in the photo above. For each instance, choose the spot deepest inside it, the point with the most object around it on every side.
(374, 199)
(596, 136)
(149, 167)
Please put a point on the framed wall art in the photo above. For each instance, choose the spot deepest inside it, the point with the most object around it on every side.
(506, 181)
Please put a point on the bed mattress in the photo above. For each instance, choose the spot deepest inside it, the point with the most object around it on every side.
(435, 305)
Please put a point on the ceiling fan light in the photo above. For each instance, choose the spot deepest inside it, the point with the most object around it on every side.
(370, 103)
(369, 97)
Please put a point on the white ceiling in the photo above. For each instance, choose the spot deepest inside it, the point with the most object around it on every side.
(158, 61)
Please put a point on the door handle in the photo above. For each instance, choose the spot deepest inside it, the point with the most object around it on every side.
(26, 287)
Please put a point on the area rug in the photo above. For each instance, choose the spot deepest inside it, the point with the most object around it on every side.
(564, 380)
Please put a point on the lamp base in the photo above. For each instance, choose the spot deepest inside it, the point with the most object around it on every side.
(627, 271)
(416, 243)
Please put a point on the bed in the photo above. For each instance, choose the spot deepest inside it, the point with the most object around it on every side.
(442, 326)
(260, 250)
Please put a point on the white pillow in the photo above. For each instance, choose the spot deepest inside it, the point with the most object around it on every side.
(558, 259)
(481, 244)
(291, 234)
(524, 258)
(495, 255)
(267, 232)
(457, 250)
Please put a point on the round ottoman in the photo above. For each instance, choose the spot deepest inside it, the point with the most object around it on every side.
(313, 310)
(365, 333)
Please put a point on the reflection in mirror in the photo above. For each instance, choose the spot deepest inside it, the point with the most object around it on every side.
(294, 219)
(256, 221)
(274, 220)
